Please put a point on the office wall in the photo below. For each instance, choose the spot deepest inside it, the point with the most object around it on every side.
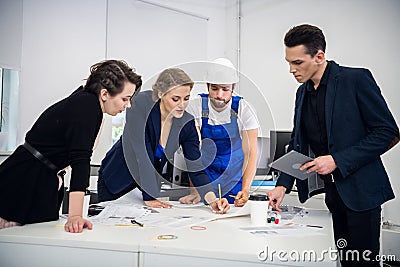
(154, 37)
(359, 33)
(11, 33)
(62, 39)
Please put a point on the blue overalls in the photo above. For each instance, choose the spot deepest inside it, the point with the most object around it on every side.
(223, 156)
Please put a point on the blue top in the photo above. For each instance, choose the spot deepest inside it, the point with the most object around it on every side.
(159, 152)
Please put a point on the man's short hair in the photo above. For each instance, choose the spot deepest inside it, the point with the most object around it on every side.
(308, 35)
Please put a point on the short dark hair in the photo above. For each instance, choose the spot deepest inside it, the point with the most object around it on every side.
(111, 75)
(308, 35)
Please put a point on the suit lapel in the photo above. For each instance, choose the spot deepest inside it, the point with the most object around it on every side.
(173, 138)
(155, 116)
(298, 111)
(330, 97)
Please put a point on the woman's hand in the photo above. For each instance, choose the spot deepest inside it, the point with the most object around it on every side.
(193, 198)
(75, 224)
(220, 206)
(157, 204)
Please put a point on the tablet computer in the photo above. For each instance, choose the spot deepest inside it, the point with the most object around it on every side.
(290, 163)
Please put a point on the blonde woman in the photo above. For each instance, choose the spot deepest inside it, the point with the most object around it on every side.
(156, 125)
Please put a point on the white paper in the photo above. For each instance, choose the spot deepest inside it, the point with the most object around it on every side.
(177, 204)
(114, 214)
(292, 229)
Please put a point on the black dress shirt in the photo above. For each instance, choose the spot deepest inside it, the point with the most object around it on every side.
(313, 115)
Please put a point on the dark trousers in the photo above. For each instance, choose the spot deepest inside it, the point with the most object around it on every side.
(356, 233)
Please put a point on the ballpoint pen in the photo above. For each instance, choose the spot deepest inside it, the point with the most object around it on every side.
(315, 226)
(136, 222)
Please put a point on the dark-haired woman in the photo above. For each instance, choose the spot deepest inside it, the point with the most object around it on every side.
(63, 135)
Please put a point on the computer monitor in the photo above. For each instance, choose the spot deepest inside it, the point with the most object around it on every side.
(279, 140)
(263, 147)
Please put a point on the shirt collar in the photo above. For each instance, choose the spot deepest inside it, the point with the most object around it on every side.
(324, 78)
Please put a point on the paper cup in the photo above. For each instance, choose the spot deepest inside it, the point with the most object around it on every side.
(258, 209)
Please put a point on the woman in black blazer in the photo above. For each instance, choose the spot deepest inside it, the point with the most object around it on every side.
(156, 126)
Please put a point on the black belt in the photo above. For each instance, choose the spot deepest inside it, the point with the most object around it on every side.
(39, 156)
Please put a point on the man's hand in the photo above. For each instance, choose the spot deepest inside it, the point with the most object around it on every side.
(276, 196)
(322, 165)
(220, 206)
(241, 198)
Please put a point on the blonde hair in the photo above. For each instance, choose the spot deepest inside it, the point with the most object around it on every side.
(168, 79)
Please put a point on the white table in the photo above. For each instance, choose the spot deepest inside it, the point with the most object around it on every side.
(221, 244)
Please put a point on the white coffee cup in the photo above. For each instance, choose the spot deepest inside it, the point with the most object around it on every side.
(258, 209)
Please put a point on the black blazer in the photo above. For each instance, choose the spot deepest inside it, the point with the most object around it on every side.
(139, 142)
(360, 128)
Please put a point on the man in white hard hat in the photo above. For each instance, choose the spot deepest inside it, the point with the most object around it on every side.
(229, 129)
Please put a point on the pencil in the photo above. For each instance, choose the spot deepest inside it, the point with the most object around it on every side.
(219, 190)
(242, 198)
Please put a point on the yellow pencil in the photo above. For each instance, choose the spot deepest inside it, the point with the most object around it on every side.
(219, 190)
(242, 198)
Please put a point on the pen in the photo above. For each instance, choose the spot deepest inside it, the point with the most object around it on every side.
(315, 226)
(138, 223)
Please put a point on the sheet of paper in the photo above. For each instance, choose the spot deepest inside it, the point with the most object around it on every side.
(162, 220)
(118, 210)
(177, 204)
(292, 229)
(235, 212)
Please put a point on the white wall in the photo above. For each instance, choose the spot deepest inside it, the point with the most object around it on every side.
(62, 39)
(359, 33)
(11, 33)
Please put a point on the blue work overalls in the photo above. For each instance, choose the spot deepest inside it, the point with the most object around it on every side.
(223, 156)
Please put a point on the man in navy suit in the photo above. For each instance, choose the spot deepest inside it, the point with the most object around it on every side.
(342, 119)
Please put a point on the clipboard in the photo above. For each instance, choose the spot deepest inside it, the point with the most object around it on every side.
(290, 164)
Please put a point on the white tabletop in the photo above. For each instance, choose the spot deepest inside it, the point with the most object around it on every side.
(222, 240)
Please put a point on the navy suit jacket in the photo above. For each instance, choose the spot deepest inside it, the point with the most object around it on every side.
(133, 157)
(360, 128)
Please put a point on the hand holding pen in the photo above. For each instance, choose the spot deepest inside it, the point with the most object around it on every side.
(218, 205)
(240, 199)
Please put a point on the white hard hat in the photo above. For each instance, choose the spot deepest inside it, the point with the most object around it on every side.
(221, 71)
